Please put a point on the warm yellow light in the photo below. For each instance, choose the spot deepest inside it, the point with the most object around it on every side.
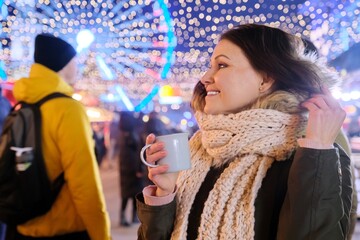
(77, 96)
(166, 91)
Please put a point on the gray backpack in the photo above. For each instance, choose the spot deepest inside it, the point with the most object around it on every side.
(25, 189)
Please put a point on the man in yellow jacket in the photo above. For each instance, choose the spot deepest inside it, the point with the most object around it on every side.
(79, 211)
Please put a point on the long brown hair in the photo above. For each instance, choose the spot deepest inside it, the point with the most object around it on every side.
(274, 52)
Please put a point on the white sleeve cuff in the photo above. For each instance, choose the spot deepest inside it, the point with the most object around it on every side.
(309, 143)
(152, 200)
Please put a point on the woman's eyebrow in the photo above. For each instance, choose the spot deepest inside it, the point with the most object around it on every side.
(221, 55)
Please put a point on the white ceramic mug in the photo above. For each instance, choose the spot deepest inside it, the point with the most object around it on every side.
(178, 152)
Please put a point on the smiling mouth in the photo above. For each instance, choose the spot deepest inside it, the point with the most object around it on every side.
(212, 93)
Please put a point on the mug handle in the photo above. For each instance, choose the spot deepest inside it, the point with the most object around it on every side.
(142, 156)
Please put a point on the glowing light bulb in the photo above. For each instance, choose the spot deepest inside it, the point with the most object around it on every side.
(84, 39)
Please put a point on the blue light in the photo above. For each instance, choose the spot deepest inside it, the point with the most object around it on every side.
(84, 39)
(3, 75)
(107, 74)
(124, 98)
(148, 98)
(3, 11)
(187, 115)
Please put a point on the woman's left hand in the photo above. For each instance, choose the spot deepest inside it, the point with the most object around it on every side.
(325, 118)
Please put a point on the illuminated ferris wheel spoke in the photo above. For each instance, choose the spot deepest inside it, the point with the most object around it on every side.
(143, 56)
(120, 16)
(147, 99)
(118, 6)
(140, 32)
(121, 68)
(117, 65)
(137, 67)
(150, 71)
(140, 44)
(138, 53)
(64, 7)
(115, 9)
(28, 12)
(47, 10)
(106, 72)
(129, 23)
(128, 12)
(124, 98)
(68, 8)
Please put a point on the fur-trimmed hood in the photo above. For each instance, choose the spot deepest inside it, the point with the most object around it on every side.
(329, 76)
(287, 102)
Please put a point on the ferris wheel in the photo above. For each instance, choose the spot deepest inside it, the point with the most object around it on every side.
(125, 48)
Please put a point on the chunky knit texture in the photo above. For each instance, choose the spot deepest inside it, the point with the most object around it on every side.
(251, 141)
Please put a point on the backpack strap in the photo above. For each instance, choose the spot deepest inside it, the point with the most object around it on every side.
(51, 96)
(59, 181)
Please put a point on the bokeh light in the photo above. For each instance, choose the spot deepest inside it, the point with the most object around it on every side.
(147, 44)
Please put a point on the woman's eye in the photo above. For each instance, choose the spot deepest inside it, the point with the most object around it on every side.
(221, 65)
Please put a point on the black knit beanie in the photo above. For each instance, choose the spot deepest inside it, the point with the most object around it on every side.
(52, 52)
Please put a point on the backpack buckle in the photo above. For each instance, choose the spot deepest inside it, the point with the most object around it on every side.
(24, 157)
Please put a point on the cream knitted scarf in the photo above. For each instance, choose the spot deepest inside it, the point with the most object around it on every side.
(250, 141)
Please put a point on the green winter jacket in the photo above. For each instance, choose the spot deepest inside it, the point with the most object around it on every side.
(306, 197)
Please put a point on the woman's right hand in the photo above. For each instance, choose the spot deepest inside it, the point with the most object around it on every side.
(165, 182)
(326, 117)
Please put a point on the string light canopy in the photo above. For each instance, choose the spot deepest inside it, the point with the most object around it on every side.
(146, 44)
(120, 43)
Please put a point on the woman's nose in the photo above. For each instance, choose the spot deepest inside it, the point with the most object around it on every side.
(207, 78)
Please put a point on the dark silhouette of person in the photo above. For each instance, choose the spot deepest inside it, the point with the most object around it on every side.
(99, 138)
(5, 108)
(130, 166)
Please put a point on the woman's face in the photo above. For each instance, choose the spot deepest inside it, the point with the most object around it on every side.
(231, 82)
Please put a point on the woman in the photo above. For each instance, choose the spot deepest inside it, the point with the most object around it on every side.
(254, 175)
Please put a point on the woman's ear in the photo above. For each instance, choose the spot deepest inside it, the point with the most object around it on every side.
(266, 84)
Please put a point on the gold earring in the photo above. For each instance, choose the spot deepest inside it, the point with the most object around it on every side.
(261, 87)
